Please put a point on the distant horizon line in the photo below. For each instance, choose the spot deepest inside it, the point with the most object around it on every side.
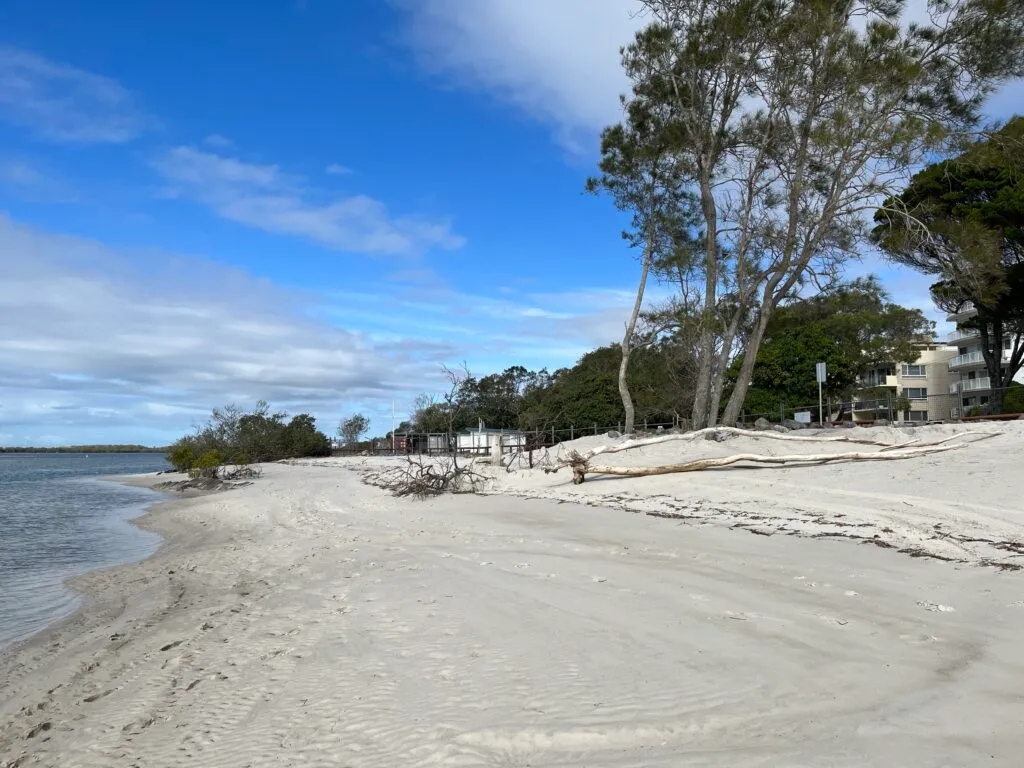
(97, 448)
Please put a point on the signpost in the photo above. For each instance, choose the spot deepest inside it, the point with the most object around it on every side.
(819, 370)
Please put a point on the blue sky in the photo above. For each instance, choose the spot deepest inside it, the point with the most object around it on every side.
(309, 201)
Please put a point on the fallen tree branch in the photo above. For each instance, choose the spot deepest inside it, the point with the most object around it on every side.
(432, 477)
(574, 457)
(581, 466)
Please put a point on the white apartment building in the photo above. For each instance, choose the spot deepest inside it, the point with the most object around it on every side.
(925, 382)
(970, 385)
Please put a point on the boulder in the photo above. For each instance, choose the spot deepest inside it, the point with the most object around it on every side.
(791, 424)
(613, 434)
(762, 424)
(779, 428)
(881, 422)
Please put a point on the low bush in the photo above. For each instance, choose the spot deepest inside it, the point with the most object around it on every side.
(243, 437)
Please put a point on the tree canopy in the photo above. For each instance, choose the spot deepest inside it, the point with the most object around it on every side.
(962, 221)
(235, 436)
(787, 119)
(850, 327)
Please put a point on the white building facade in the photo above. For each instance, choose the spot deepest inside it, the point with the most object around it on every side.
(970, 386)
(925, 383)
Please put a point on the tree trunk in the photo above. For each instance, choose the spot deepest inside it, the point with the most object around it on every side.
(718, 374)
(627, 340)
(706, 350)
(992, 352)
(739, 393)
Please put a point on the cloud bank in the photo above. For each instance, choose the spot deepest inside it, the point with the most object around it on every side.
(267, 198)
(64, 104)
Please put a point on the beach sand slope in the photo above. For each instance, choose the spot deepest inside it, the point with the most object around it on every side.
(310, 620)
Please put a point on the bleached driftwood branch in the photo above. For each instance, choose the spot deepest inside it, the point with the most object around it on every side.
(580, 462)
(643, 442)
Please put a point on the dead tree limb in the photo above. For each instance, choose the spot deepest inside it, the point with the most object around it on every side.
(431, 477)
(735, 431)
(581, 466)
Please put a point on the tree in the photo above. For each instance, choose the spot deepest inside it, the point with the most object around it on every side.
(850, 327)
(239, 437)
(962, 221)
(637, 170)
(790, 119)
(350, 430)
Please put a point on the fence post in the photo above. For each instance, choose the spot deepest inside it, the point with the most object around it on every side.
(620, 427)
(595, 427)
(572, 432)
(645, 425)
(782, 412)
(552, 434)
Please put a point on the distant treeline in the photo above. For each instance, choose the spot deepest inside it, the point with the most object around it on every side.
(85, 449)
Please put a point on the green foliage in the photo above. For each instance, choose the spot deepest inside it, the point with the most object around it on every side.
(902, 404)
(353, 428)
(850, 328)
(787, 119)
(580, 396)
(181, 457)
(962, 221)
(207, 465)
(240, 437)
(1013, 400)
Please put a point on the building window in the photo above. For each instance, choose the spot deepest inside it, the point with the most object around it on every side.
(914, 371)
(918, 416)
(983, 400)
(916, 393)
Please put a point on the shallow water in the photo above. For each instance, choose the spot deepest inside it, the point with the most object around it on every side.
(58, 520)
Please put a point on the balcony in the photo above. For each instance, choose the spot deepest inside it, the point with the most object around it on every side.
(870, 382)
(969, 385)
(962, 334)
(973, 359)
(967, 310)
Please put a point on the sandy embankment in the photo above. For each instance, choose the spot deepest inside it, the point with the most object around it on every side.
(309, 620)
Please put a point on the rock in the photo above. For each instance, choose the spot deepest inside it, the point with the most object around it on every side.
(881, 422)
(779, 428)
(613, 434)
(660, 429)
(762, 424)
(791, 424)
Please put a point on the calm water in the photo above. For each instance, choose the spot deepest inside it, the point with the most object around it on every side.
(57, 520)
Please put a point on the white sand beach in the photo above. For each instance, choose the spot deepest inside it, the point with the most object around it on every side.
(312, 620)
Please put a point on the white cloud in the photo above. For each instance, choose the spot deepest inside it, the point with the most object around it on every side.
(217, 141)
(265, 197)
(557, 62)
(148, 346)
(334, 169)
(98, 345)
(30, 180)
(65, 104)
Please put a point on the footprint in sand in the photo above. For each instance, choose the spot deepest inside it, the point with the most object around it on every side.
(936, 607)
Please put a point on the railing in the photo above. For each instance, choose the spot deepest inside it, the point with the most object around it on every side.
(879, 381)
(974, 358)
(967, 308)
(971, 358)
(969, 385)
(961, 334)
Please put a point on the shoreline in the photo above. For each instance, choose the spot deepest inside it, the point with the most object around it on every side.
(86, 584)
(309, 619)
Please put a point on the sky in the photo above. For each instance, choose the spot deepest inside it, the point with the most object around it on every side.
(313, 202)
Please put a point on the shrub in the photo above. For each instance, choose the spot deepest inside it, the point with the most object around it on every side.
(1013, 400)
(181, 457)
(207, 465)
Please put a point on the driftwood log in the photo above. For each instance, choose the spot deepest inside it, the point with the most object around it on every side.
(581, 462)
